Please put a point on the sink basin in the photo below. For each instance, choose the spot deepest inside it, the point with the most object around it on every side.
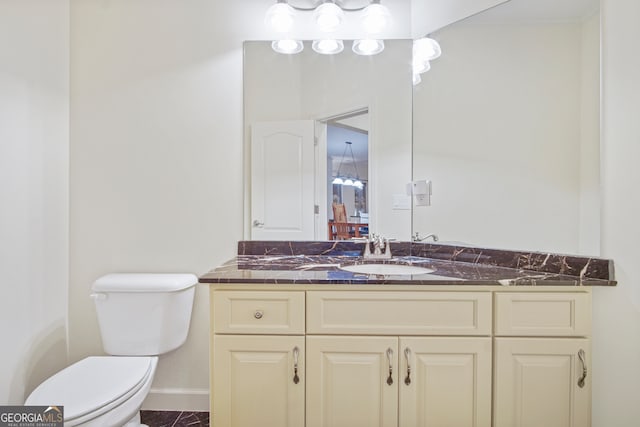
(391, 269)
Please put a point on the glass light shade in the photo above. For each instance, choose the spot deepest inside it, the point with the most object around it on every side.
(376, 18)
(337, 180)
(328, 17)
(279, 18)
(358, 184)
(328, 47)
(288, 47)
(420, 67)
(426, 49)
(416, 79)
(368, 47)
(348, 181)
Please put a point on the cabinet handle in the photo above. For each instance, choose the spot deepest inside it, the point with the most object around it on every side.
(407, 355)
(582, 357)
(258, 314)
(296, 353)
(389, 358)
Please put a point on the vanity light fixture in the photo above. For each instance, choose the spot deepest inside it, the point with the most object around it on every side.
(328, 46)
(425, 50)
(376, 18)
(279, 17)
(328, 16)
(367, 47)
(348, 180)
(289, 47)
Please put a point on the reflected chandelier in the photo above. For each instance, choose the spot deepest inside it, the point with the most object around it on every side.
(328, 16)
(348, 180)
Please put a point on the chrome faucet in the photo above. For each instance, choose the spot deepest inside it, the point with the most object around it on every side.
(416, 237)
(381, 247)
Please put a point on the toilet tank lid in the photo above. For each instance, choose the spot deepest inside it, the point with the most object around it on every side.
(144, 282)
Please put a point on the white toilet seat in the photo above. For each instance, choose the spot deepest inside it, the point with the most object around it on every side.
(94, 386)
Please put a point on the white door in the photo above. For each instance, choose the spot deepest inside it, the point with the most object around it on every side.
(445, 382)
(541, 382)
(282, 180)
(348, 381)
(254, 382)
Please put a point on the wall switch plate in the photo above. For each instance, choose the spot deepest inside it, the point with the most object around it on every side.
(401, 202)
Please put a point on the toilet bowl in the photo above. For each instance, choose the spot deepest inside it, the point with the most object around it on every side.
(133, 312)
(118, 385)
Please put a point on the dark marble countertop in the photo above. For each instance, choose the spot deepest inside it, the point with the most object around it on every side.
(320, 262)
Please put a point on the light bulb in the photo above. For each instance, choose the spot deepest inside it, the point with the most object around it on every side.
(348, 181)
(288, 47)
(358, 184)
(375, 18)
(328, 17)
(420, 66)
(426, 49)
(337, 180)
(328, 47)
(368, 47)
(279, 17)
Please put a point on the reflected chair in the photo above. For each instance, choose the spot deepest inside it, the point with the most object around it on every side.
(339, 229)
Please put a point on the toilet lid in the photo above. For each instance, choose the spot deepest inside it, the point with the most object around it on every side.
(93, 383)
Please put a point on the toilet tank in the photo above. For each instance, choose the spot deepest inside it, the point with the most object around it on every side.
(143, 314)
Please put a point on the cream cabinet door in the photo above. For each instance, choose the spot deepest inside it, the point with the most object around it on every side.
(445, 382)
(253, 381)
(542, 382)
(352, 381)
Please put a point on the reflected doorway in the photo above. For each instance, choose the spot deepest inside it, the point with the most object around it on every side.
(348, 172)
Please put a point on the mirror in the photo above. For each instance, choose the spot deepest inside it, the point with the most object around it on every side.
(281, 91)
(506, 126)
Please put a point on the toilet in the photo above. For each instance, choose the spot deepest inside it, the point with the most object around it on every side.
(141, 316)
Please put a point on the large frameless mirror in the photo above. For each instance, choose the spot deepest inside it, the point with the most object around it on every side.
(311, 119)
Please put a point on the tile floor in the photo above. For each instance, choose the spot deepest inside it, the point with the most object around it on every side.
(174, 418)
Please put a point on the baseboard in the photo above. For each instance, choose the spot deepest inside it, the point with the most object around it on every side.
(177, 399)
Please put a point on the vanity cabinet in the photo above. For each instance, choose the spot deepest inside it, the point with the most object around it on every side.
(254, 381)
(257, 359)
(378, 358)
(542, 360)
(347, 381)
(366, 370)
(449, 381)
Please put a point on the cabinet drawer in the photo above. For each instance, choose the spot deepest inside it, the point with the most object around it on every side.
(543, 314)
(254, 312)
(407, 313)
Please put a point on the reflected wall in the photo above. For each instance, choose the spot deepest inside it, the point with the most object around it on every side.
(506, 125)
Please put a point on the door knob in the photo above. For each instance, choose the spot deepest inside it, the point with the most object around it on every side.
(257, 223)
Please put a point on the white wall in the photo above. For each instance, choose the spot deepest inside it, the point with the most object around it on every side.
(497, 128)
(616, 312)
(34, 143)
(589, 210)
(156, 161)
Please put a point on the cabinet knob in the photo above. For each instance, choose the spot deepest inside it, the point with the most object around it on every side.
(258, 314)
